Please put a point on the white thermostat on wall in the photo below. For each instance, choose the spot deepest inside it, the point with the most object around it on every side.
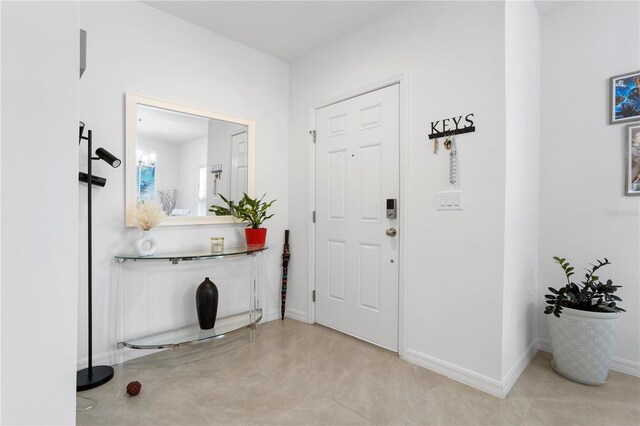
(449, 200)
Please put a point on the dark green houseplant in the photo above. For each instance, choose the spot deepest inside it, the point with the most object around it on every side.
(254, 211)
(584, 323)
(590, 294)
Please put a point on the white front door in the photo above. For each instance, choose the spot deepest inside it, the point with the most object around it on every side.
(357, 170)
(239, 166)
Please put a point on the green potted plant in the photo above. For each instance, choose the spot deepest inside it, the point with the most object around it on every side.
(251, 210)
(583, 325)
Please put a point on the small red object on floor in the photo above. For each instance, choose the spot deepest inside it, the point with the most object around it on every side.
(133, 388)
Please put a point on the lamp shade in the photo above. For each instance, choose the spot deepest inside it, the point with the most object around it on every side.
(108, 157)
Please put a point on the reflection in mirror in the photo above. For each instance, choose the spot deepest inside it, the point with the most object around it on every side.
(185, 162)
(185, 159)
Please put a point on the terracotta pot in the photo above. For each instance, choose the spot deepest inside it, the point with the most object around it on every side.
(255, 236)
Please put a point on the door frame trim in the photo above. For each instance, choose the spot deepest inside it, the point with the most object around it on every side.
(402, 80)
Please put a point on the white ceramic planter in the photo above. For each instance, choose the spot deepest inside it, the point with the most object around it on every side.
(582, 344)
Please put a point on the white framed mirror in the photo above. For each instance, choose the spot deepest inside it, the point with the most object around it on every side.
(185, 159)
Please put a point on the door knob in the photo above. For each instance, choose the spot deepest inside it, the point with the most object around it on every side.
(391, 232)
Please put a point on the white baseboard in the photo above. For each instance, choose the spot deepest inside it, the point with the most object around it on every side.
(544, 345)
(625, 366)
(111, 358)
(471, 378)
(495, 387)
(617, 364)
(457, 373)
(518, 368)
(297, 315)
(271, 315)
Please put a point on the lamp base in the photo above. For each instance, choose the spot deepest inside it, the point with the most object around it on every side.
(101, 375)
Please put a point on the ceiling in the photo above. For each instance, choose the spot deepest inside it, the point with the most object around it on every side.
(285, 29)
(172, 127)
(161, 125)
(289, 30)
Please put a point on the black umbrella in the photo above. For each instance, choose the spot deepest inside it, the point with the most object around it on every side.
(285, 272)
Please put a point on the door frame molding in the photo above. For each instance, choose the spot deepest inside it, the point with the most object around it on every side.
(402, 80)
(231, 135)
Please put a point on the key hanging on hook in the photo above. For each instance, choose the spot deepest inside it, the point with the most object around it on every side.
(453, 162)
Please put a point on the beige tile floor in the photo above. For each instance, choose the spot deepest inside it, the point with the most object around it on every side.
(303, 374)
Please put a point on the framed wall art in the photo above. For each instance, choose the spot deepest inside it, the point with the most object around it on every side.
(146, 182)
(625, 97)
(633, 160)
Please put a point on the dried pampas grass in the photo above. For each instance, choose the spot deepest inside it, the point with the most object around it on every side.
(146, 215)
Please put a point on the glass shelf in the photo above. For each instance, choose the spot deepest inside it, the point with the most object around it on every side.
(192, 333)
(188, 255)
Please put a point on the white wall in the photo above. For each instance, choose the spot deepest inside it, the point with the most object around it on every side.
(453, 54)
(40, 64)
(136, 48)
(0, 217)
(583, 212)
(522, 83)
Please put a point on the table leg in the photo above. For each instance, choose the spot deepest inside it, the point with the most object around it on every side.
(253, 296)
(120, 307)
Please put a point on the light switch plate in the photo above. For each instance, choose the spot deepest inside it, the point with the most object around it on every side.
(449, 200)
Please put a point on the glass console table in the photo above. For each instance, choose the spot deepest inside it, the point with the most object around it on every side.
(224, 325)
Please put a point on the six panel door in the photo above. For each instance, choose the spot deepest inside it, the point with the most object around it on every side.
(357, 170)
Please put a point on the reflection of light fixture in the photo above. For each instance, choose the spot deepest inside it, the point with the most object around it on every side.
(144, 159)
(216, 171)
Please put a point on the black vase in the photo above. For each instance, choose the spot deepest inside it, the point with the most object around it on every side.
(207, 304)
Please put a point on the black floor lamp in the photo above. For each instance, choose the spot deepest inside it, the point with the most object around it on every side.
(92, 377)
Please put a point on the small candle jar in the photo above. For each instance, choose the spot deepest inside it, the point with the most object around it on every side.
(217, 244)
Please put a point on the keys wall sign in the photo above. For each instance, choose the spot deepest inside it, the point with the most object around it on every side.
(452, 126)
